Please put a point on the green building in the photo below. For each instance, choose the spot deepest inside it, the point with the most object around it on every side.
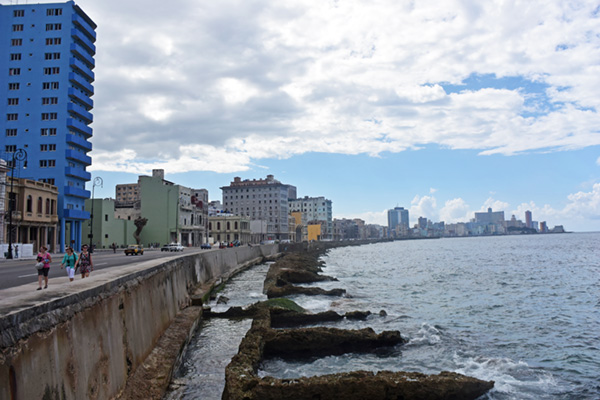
(105, 227)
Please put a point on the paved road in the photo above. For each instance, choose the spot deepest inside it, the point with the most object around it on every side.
(19, 272)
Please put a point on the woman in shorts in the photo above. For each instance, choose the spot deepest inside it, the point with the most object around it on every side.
(84, 262)
(68, 262)
(46, 259)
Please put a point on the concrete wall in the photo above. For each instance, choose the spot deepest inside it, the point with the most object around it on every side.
(85, 345)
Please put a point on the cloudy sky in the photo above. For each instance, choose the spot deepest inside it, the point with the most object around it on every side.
(443, 107)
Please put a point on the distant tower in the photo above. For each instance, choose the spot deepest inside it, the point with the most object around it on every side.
(528, 220)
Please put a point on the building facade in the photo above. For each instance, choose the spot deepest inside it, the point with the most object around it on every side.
(47, 59)
(173, 213)
(34, 216)
(398, 223)
(262, 199)
(229, 228)
(315, 210)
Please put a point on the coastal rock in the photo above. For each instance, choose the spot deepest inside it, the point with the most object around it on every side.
(287, 319)
(359, 315)
(321, 341)
(360, 385)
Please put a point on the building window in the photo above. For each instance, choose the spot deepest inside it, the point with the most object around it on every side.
(13, 101)
(13, 86)
(50, 85)
(51, 70)
(235, 225)
(29, 204)
(14, 71)
(52, 56)
(11, 148)
(17, 28)
(49, 100)
(39, 205)
(228, 226)
(49, 116)
(11, 132)
(18, 13)
(16, 42)
(54, 11)
(53, 27)
(15, 56)
(52, 41)
(12, 117)
(48, 206)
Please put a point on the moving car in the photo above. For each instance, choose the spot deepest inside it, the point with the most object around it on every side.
(205, 246)
(172, 247)
(134, 250)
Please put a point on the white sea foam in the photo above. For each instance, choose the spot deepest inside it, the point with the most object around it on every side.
(427, 335)
(515, 379)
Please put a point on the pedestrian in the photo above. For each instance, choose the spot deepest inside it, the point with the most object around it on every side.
(46, 259)
(16, 251)
(84, 262)
(68, 262)
(114, 247)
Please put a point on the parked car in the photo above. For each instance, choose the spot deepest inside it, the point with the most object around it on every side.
(134, 250)
(205, 246)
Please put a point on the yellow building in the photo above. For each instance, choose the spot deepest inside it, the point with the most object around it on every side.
(314, 232)
(34, 217)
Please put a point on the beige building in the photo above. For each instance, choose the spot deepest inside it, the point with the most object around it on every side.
(34, 217)
(228, 228)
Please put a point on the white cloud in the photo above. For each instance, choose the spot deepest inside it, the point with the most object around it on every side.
(273, 79)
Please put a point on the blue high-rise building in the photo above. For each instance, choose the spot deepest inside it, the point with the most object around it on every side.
(398, 217)
(47, 60)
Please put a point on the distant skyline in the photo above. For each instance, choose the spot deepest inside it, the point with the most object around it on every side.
(444, 108)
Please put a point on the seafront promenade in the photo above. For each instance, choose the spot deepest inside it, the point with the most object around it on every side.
(87, 338)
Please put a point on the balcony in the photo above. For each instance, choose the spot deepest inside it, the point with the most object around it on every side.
(76, 94)
(83, 69)
(83, 54)
(76, 192)
(79, 127)
(75, 214)
(84, 27)
(83, 40)
(80, 112)
(79, 142)
(78, 173)
(81, 83)
(77, 156)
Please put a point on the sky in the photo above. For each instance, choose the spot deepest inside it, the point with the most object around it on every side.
(442, 107)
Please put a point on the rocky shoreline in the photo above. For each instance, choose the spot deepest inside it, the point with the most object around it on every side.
(266, 339)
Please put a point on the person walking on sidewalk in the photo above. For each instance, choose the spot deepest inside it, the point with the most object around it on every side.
(46, 259)
(84, 262)
(68, 261)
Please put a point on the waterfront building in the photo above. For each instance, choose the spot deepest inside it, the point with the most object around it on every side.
(34, 216)
(262, 199)
(528, 219)
(229, 228)
(490, 217)
(106, 227)
(174, 213)
(47, 58)
(314, 210)
(398, 222)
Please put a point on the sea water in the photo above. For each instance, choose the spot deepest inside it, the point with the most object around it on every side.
(523, 311)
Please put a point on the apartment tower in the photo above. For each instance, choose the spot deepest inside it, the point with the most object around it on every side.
(47, 59)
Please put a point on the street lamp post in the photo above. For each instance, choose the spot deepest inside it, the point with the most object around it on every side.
(97, 182)
(18, 155)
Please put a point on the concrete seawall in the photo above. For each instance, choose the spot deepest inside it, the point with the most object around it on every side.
(83, 340)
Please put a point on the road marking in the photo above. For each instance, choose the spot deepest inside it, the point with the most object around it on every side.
(100, 263)
(25, 276)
